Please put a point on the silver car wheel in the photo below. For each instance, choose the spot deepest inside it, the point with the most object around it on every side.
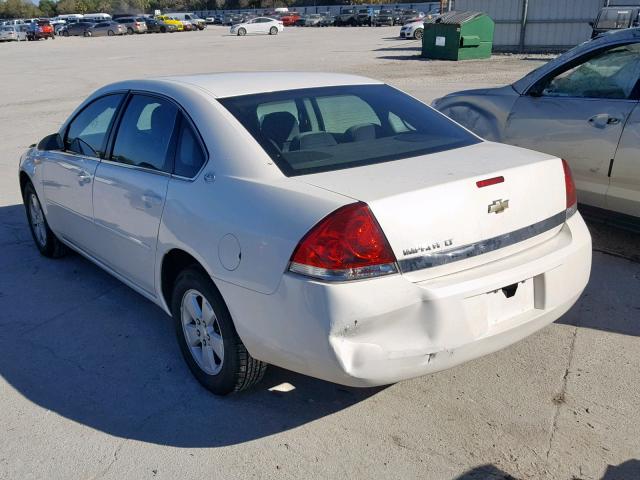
(37, 220)
(202, 332)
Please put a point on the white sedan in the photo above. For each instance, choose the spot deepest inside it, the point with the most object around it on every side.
(258, 25)
(413, 30)
(328, 224)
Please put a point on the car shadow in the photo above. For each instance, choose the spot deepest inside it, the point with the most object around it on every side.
(78, 343)
(405, 57)
(629, 470)
(410, 46)
(620, 248)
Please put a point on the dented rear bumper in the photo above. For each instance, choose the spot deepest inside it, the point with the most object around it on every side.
(381, 331)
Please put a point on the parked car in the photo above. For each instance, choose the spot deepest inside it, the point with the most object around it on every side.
(290, 18)
(12, 33)
(158, 26)
(258, 25)
(170, 21)
(75, 29)
(328, 20)
(232, 19)
(313, 20)
(384, 17)
(301, 21)
(335, 254)
(347, 16)
(40, 29)
(133, 24)
(408, 16)
(104, 29)
(192, 18)
(364, 16)
(413, 30)
(582, 106)
(615, 18)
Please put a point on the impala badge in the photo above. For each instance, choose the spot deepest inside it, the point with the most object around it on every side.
(498, 206)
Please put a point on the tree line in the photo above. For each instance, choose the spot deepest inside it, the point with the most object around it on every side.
(51, 8)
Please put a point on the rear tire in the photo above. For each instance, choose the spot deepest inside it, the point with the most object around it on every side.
(46, 241)
(163, 30)
(207, 337)
(110, 33)
(418, 34)
(65, 34)
(129, 30)
(273, 31)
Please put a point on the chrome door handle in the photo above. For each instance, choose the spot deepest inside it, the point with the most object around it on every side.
(151, 199)
(84, 177)
(602, 120)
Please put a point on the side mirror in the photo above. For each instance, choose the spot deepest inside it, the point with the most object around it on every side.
(51, 142)
(591, 24)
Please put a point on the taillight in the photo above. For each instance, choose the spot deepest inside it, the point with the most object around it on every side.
(570, 187)
(348, 244)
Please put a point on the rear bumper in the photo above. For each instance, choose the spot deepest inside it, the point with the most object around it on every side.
(381, 331)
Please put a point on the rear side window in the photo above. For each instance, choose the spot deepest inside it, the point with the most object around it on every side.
(145, 133)
(321, 129)
(189, 154)
(87, 132)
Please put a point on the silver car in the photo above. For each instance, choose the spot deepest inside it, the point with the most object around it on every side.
(104, 29)
(12, 33)
(581, 106)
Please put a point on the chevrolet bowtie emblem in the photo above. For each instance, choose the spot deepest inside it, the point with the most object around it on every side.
(498, 206)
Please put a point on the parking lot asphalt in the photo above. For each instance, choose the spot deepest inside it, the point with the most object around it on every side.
(92, 384)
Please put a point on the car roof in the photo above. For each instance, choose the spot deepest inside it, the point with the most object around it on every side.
(221, 85)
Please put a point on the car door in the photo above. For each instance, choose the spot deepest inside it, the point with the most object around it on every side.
(130, 188)
(264, 24)
(578, 113)
(68, 174)
(623, 194)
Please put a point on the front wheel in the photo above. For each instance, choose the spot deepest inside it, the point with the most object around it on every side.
(65, 34)
(207, 337)
(46, 241)
(163, 30)
(87, 34)
(418, 34)
(273, 31)
(130, 30)
(242, 32)
(110, 33)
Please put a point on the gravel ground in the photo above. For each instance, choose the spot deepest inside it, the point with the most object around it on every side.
(92, 385)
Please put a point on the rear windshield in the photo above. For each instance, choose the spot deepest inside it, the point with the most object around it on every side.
(330, 128)
(614, 18)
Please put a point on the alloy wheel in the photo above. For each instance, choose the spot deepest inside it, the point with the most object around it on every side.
(36, 217)
(202, 332)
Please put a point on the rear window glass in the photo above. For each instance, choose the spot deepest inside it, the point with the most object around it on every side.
(330, 128)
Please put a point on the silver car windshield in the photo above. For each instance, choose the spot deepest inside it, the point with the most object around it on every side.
(321, 129)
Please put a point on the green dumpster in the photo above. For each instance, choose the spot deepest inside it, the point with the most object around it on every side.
(458, 36)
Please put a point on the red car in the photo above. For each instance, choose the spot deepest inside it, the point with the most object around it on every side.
(289, 19)
(40, 29)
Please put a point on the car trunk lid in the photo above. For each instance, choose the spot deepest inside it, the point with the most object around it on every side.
(438, 220)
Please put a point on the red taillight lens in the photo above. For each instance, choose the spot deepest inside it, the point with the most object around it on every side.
(570, 187)
(489, 181)
(347, 244)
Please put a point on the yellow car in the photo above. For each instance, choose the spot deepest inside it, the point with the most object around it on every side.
(171, 21)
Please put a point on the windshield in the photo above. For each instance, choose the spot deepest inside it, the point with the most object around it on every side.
(330, 128)
(347, 10)
(614, 18)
